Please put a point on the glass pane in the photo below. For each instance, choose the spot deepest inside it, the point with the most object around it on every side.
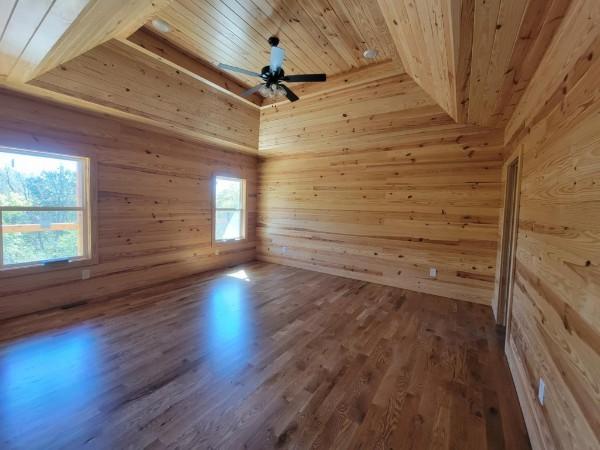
(30, 180)
(228, 225)
(228, 193)
(32, 236)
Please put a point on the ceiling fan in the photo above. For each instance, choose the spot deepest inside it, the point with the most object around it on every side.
(273, 75)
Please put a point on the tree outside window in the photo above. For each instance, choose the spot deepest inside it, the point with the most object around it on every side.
(43, 207)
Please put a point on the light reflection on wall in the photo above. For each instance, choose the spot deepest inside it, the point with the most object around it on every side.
(229, 325)
(47, 379)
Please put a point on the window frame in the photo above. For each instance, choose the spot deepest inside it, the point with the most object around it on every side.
(243, 210)
(87, 178)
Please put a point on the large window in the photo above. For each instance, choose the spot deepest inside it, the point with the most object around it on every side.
(44, 204)
(229, 209)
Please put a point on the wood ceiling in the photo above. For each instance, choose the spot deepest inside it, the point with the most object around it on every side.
(318, 35)
(474, 58)
(38, 35)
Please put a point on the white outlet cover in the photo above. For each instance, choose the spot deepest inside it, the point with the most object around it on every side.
(541, 391)
(433, 272)
(85, 274)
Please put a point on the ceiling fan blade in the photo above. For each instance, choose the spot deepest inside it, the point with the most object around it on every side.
(239, 70)
(277, 56)
(289, 94)
(305, 78)
(252, 90)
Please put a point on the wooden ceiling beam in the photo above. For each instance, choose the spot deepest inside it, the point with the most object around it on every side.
(38, 36)
(156, 47)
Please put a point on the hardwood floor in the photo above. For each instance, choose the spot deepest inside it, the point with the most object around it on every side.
(260, 356)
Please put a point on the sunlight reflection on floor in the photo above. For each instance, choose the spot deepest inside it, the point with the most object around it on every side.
(240, 275)
(47, 376)
(230, 326)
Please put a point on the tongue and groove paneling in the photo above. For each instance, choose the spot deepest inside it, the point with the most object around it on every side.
(377, 182)
(474, 57)
(555, 327)
(153, 210)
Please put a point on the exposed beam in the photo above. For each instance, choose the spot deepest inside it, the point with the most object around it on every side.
(165, 52)
(39, 35)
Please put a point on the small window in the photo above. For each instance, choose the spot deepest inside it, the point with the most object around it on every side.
(230, 203)
(44, 208)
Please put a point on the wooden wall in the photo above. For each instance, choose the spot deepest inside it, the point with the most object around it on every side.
(154, 200)
(555, 327)
(376, 182)
(120, 78)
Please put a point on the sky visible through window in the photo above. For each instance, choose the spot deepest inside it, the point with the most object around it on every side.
(229, 204)
(34, 165)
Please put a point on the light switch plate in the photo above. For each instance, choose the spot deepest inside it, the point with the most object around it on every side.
(85, 274)
(433, 272)
(541, 391)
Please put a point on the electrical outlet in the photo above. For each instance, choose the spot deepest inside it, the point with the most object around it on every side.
(85, 274)
(217, 252)
(433, 272)
(283, 249)
(541, 391)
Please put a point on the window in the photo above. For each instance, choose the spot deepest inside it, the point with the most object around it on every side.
(44, 208)
(230, 202)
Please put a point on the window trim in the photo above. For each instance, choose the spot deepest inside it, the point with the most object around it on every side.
(87, 208)
(244, 210)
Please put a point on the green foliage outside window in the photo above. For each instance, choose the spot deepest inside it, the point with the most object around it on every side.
(47, 188)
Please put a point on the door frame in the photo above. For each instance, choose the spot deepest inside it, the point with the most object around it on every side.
(510, 235)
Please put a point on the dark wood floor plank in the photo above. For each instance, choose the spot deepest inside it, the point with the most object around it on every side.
(260, 356)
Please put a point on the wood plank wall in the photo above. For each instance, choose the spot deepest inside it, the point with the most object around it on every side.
(555, 327)
(376, 182)
(119, 77)
(154, 203)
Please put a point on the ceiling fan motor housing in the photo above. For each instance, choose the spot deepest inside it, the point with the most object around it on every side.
(272, 78)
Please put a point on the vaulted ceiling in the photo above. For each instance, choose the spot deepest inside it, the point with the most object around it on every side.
(474, 58)
(38, 35)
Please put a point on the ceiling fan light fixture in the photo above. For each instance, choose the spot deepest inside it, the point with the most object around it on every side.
(281, 91)
(264, 91)
(370, 53)
(275, 90)
(161, 25)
